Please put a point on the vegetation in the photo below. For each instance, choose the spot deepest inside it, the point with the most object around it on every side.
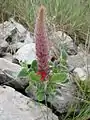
(43, 74)
(72, 16)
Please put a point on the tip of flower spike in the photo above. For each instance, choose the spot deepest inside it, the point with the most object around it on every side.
(41, 13)
(42, 8)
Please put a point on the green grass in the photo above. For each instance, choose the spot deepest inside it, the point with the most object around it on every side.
(81, 110)
(70, 15)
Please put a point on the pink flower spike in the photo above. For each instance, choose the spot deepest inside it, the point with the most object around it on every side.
(42, 46)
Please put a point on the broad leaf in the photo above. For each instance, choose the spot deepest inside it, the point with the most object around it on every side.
(51, 88)
(34, 77)
(34, 65)
(40, 92)
(40, 96)
(59, 77)
(23, 72)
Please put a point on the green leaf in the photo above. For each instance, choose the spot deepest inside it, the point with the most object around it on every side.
(34, 77)
(23, 72)
(63, 54)
(34, 65)
(63, 62)
(55, 70)
(59, 77)
(51, 88)
(40, 94)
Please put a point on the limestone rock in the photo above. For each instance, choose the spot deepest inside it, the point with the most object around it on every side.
(11, 34)
(26, 53)
(8, 75)
(15, 106)
(63, 98)
(60, 39)
(81, 73)
(7, 65)
(79, 60)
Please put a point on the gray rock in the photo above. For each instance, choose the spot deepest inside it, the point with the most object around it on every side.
(19, 27)
(31, 92)
(23, 35)
(81, 63)
(79, 60)
(63, 98)
(8, 75)
(14, 34)
(7, 65)
(3, 78)
(3, 44)
(3, 47)
(26, 53)
(17, 45)
(8, 57)
(6, 29)
(7, 79)
(86, 68)
(15, 106)
(71, 68)
(83, 73)
(59, 39)
(80, 72)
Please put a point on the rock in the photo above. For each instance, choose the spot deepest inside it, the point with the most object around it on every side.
(3, 78)
(8, 75)
(70, 69)
(63, 98)
(86, 68)
(23, 40)
(15, 46)
(6, 29)
(3, 47)
(7, 65)
(6, 79)
(13, 35)
(19, 27)
(16, 61)
(26, 53)
(81, 63)
(15, 106)
(31, 92)
(8, 57)
(79, 60)
(29, 38)
(10, 78)
(62, 39)
(23, 35)
(81, 73)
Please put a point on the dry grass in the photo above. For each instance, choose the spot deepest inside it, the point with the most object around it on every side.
(70, 15)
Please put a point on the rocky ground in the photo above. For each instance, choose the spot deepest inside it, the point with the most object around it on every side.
(16, 45)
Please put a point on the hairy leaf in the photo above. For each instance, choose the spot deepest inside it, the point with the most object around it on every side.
(23, 73)
(59, 77)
